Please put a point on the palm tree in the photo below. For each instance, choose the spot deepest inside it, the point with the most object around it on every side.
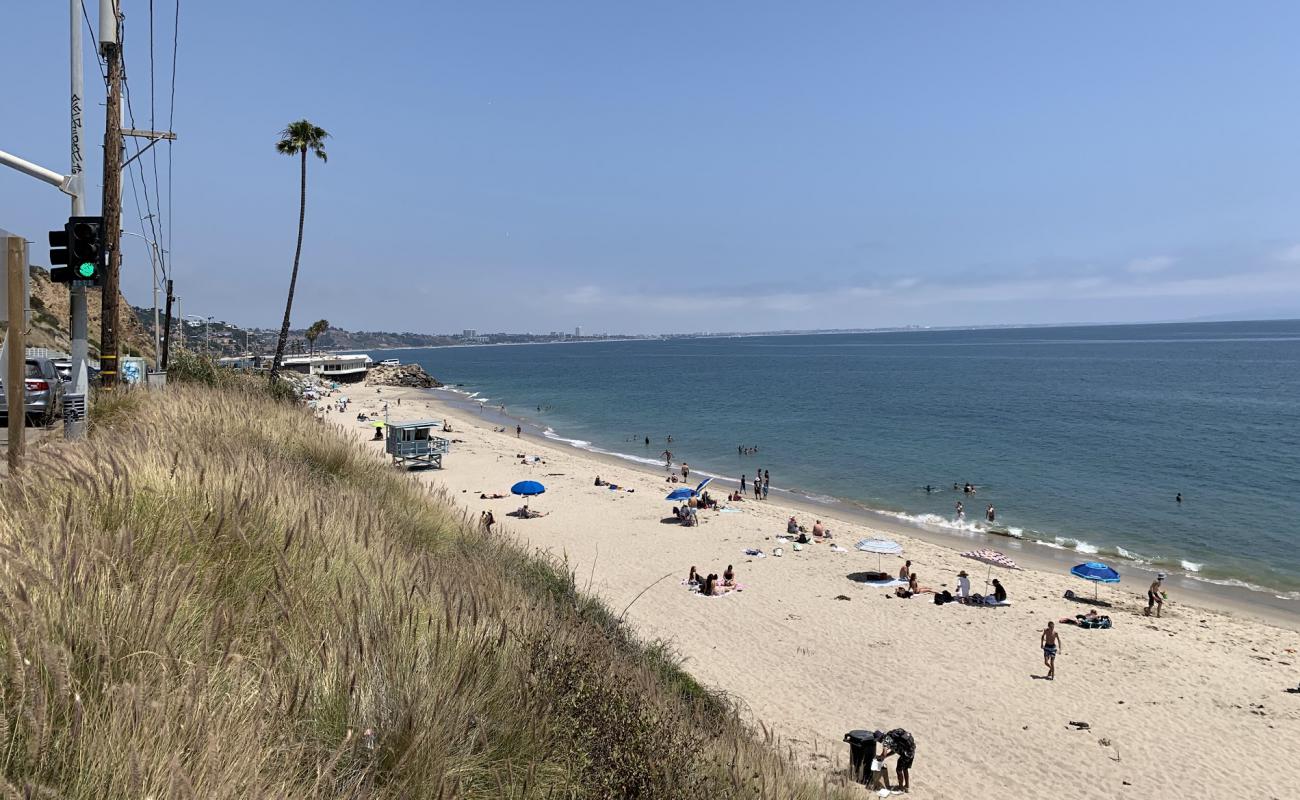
(313, 333)
(297, 139)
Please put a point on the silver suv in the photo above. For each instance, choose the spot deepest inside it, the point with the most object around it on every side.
(43, 393)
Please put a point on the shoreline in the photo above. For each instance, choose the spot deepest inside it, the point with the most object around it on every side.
(1257, 603)
(807, 650)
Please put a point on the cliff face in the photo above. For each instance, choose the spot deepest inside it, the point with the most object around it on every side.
(51, 312)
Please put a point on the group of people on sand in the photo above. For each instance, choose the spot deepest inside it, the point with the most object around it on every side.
(712, 585)
(819, 532)
(963, 596)
(762, 483)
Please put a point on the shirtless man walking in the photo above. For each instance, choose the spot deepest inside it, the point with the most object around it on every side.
(1051, 643)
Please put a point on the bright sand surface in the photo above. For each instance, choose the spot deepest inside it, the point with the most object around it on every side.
(1186, 705)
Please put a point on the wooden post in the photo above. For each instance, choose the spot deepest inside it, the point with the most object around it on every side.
(15, 380)
(112, 211)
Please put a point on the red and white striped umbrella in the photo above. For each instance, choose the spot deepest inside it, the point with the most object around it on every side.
(992, 557)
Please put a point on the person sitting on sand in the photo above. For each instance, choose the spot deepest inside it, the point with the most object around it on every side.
(818, 531)
(905, 572)
(802, 538)
(792, 527)
(599, 482)
(729, 577)
(709, 586)
(963, 586)
(693, 579)
(999, 592)
(913, 588)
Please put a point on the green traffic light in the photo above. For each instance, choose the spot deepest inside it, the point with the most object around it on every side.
(86, 270)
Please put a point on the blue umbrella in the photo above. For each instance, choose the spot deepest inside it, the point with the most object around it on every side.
(684, 493)
(527, 488)
(1096, 572)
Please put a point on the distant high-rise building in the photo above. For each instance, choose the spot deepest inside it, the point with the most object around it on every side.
(469, 333)
(578, 331)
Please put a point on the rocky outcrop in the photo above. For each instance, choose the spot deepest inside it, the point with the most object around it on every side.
(408, 375)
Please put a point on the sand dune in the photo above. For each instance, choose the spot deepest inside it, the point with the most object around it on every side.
(1186, 705)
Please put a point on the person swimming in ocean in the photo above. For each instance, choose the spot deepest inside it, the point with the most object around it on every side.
(1178, 498)
(928, 488)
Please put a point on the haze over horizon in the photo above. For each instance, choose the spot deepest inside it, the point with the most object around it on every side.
(681, 168)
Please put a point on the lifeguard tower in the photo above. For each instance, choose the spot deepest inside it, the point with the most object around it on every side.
(414, 444)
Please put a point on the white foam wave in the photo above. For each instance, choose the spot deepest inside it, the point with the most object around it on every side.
(1190, 566)
(581, 444)
(1018, 533)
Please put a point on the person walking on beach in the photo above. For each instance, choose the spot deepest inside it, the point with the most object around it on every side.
(519, 431)
(686, 471)
(1155, 597)
(668, 459)
(1051, 643)
(742, 483)
(766, 486)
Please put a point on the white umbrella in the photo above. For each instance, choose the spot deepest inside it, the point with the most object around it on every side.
(880, 547)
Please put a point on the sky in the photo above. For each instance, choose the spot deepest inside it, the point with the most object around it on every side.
(678, 167)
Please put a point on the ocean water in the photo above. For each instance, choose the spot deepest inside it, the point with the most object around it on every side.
(1080, 437)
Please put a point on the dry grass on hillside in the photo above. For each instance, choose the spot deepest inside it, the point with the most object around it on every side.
(217, 597)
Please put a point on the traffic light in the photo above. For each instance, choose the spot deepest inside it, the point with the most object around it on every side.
(80, 245)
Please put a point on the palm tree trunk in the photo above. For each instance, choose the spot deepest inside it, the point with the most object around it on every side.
(293, 277)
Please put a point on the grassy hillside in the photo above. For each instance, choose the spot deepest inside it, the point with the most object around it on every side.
(51, 319)
(218, 597)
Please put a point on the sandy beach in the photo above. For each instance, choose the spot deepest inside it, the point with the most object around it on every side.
(1190, 703)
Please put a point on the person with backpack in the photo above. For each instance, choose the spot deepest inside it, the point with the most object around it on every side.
(898, 742)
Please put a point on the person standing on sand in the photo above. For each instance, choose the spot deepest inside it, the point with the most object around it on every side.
(519, 431)
(742, 483)
(1051, 643)
(1155, 597)
(686, 471)
(766, 486)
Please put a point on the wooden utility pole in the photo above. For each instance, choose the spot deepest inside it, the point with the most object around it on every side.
(112, 206)
(15, 256)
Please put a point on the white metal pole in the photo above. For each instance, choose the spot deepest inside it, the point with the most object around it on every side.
(73, 427)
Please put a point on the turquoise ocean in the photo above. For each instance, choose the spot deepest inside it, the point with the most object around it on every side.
(1081, 437)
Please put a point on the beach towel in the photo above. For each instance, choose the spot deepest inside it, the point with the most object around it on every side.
(754, 551)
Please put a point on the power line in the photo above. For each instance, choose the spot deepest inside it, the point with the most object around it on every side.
(99, 61)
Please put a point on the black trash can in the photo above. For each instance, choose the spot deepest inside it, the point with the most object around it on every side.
(862, 751)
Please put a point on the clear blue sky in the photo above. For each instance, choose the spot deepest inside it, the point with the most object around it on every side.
(705, 166)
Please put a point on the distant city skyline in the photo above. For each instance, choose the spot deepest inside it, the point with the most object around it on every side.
(686, 167)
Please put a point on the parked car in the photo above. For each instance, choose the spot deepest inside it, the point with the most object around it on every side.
(43, 392)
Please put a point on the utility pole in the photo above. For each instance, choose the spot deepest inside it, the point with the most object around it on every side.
(167, 330)
(109, 25)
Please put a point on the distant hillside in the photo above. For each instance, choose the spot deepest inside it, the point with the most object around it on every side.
(224, 338)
